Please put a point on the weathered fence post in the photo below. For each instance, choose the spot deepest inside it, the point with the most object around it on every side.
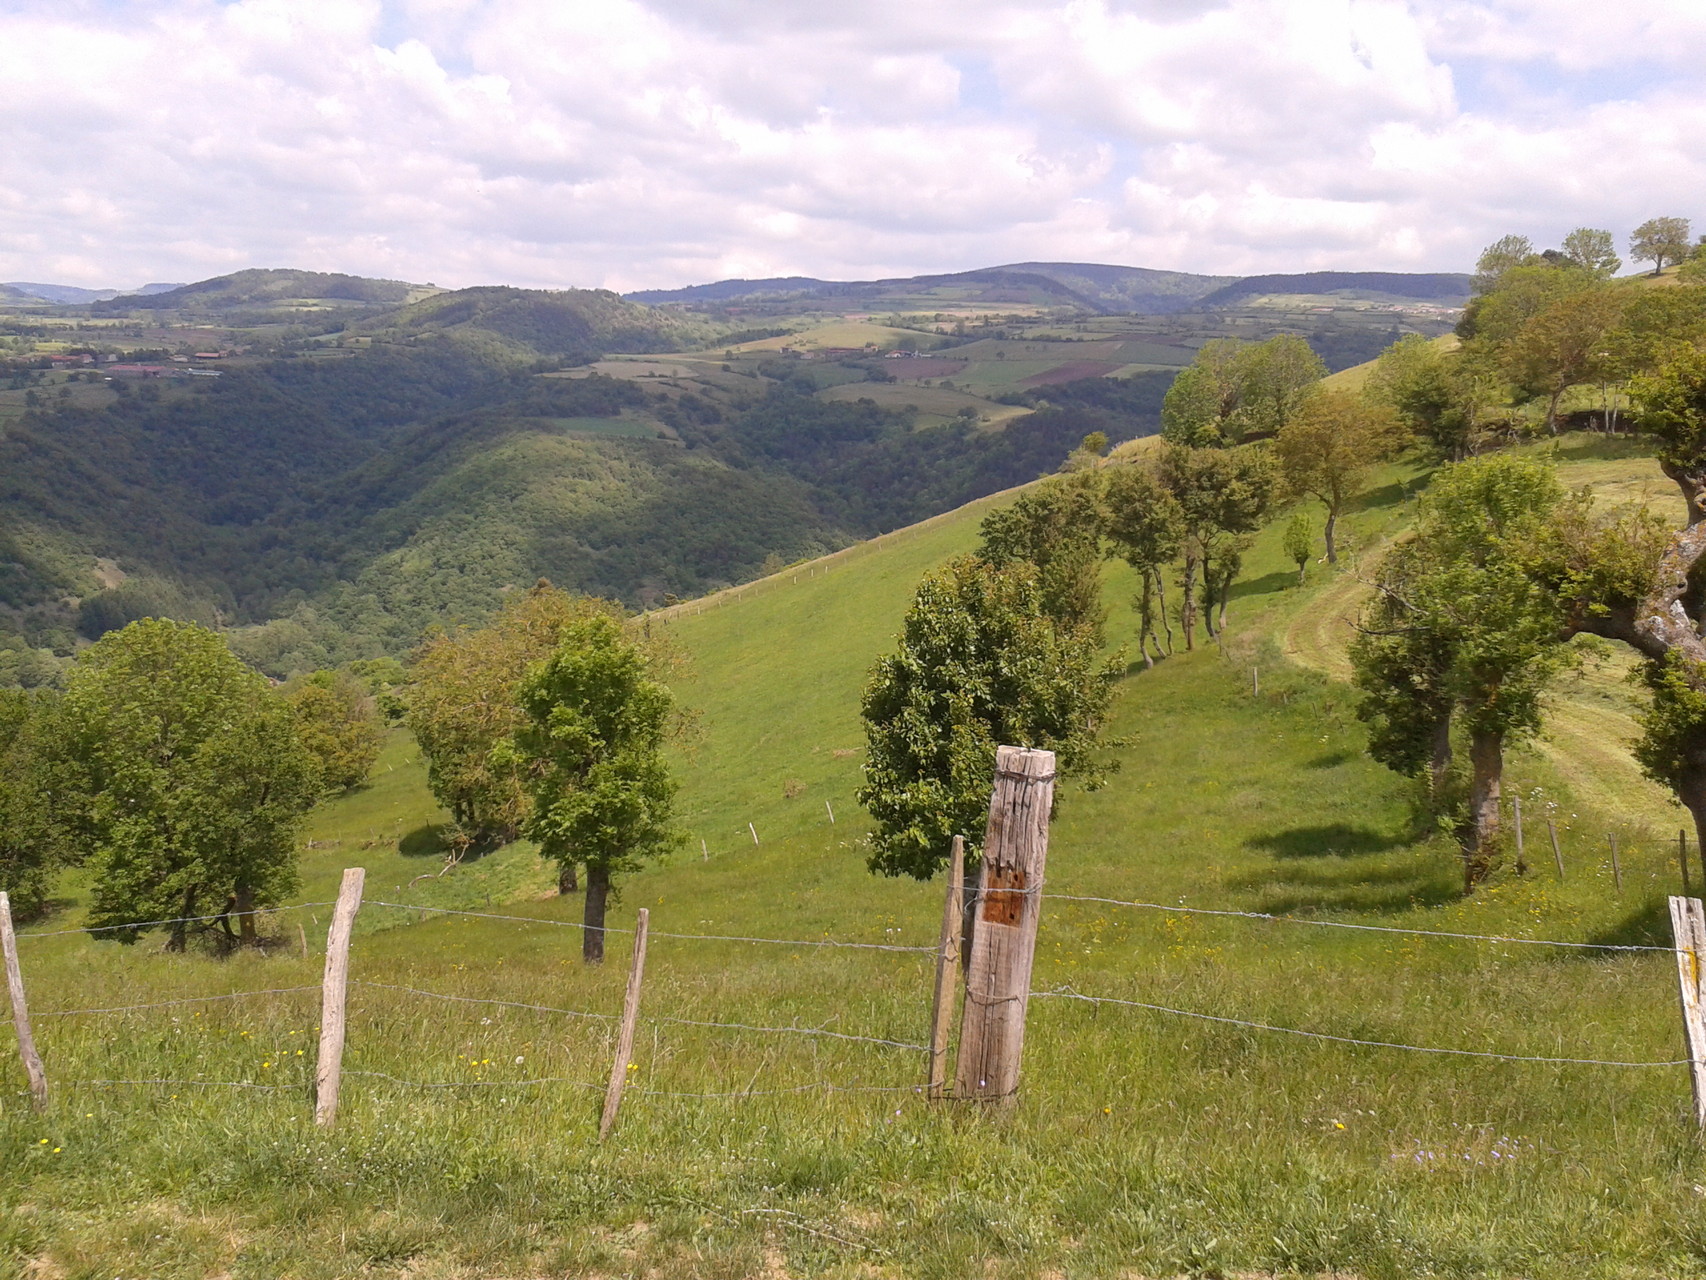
(1557, 853)
(1682, 857)
(1010, 882)
(1521, 862)
(1688, 934)
(20, 1008)
(1616, 866)
(947, 965)
(328, 1067)
(625, 1036)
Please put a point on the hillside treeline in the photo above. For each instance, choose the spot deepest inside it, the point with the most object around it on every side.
(1472, 620)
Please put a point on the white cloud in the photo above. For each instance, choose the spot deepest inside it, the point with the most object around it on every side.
(630, 143)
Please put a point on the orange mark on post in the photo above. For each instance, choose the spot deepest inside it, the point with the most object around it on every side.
(1003, 895)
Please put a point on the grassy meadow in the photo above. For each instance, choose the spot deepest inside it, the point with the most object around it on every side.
(1145, 1144)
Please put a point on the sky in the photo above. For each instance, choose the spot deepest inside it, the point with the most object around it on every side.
(630, 144)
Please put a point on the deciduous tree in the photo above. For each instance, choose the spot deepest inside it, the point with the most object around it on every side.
(196, 781)
(336, 720)
(591, 748)
(1327, 448)
(1592, 250)
(1146, 526)
(980, 664)
(1660, 240)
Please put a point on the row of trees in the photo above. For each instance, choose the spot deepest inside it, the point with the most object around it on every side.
(177, 776)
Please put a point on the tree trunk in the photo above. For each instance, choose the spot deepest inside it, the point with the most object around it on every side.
(1487, 766)
(1161, 602)
(1188, 608)
(597, 894)
(1552, 411)
(567, 881)
(1332, 547)
(179, 938)
(245, 904)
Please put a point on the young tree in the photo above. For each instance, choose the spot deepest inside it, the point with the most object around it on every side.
(1326, 451)
(1461, 617)
(1204, 395)
(1057, 526)
(591, 748)
(196, 781)
(1299, 543)
(979, 665)
(1660, 240)
(337, 723)
(1593, 251)
(462, 705)
(1146, 525)
(1428, 390)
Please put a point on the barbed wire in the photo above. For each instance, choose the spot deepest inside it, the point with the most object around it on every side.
(1069, 994)
(1342, 924)
(827, 1086)
(148, 924)
(511, 1004)
(660, 933)
(161, 1004)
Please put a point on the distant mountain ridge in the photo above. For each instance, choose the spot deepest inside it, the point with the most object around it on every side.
(70, 295)
(1100, 287)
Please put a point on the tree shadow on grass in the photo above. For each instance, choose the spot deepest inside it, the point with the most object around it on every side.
(1330, 760)
(1646, 926)
(1264, 585)
(1376, 890)
(1387, 495)
(1328, 840)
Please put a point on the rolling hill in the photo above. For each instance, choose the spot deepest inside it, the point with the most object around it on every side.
(1146, 1140)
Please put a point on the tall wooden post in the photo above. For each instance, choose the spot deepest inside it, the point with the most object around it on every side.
(1682, 858)
(1688, 931)
(947, 963)
(1010, 882)
(20, 1008)
(328, 1067)
(1557, 853)
(625, 1036)
(1521, 862)
(1616, 866)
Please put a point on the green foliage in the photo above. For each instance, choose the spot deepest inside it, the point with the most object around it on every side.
(196, 781)
(1328, 447)
(1670, 748)
(1147, 528)
(1432, 392)
(1234, 390)
(1056, 526)
(1223, 496)
(980, 665)
(1299, 542)
(338, 724)
(462, 708)
(1592, 250)
(1498, 258)
(1672, 404)
(36, 781)
(590, 745)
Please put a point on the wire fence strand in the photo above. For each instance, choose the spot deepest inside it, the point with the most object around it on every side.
(149, 924)
(509, 1004)
(797, 1031)
(1067, 994)
(1366, 928)
(162, 1004)
(659, 933)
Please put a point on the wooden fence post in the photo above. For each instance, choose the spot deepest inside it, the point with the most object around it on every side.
(1682, 858)
(1557, 854)
(328, 1067)
(625, 1037)
(1616, 866)
(1010, 882)
(1688, 934)
(20, 1009)
(1521, 862)
(947, 965)
(831, 809)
